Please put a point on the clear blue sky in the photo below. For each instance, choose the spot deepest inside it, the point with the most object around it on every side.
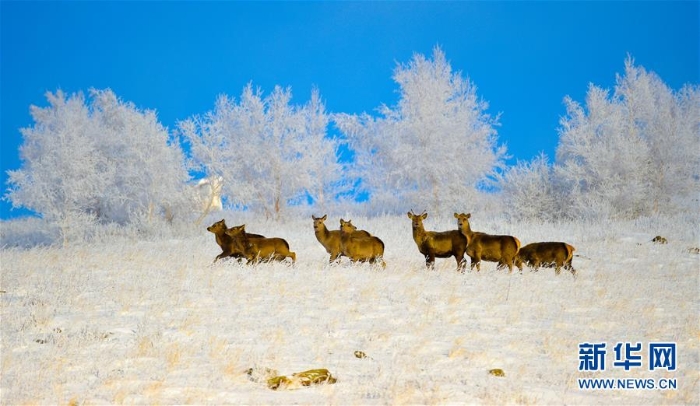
(176, 57)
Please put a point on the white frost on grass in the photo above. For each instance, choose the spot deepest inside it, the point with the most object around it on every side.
(136, 322)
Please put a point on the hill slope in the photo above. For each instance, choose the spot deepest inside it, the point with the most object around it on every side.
(139, 322)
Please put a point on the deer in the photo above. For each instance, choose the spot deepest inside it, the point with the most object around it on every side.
(438, 244)
(329, 239)
(359, 246)
(547, 254)
(260, 249)
(493, 248)
(228, 248)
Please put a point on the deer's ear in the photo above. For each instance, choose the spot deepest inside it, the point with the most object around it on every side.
(469, 215)
(424, 216)
(325, 216)
(409, 215)
(456, 215)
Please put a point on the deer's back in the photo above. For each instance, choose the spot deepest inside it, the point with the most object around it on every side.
(443, 243)
(493, 247)
(361, 244)
(557, 252)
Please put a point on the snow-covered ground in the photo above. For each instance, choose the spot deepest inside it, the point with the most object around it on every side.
(127, 321)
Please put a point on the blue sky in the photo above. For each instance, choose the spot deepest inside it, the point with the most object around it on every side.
(176, 57)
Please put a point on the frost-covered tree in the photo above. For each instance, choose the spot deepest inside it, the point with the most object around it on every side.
(62, 173)
(269, 152)
(669, 123)
(102, 161)
(148, 175)
(599, 159)
(631, 153)
(529, 190)
(434, 149)
(326, 178)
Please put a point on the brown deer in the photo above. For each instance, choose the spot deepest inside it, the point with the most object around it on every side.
(358, 246)
(329, 239)
(493, 248)
(228, 248)
(547, 254)
(260, 249)
(434, 244)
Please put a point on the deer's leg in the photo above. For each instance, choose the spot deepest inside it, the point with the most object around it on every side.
(224, 254)
(461, 263)
(476, 262)
(335, 257)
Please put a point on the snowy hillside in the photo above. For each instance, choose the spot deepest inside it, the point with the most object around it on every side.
(123, 321)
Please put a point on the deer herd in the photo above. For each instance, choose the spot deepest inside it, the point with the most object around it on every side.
(361, 246)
